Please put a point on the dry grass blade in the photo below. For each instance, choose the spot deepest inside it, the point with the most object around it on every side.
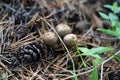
(29, 39)
(3, 17)
(32, 21)
(1, 29)
(5, 67)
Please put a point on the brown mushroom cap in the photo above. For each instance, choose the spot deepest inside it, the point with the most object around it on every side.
(70, 40)
(50, 38)
(63, 29)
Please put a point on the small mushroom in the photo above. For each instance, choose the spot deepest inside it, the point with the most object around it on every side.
(70, 40)
(63, 29)
(50, 38)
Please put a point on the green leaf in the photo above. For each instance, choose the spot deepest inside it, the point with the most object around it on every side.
(113, 16)
(115, 6)
(113, 33)
(117, 30)
(113, 22)
(87, 54)
(83, 49)
(118, 10)
(117, 25)
(117, 58)
(94, 75)
(100, 50)
(104, 16)
(94, 51)
(97, 61)
(109, 7)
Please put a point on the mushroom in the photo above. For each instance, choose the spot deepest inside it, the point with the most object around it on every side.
(50, 38)
(63, 29)
(70, 40)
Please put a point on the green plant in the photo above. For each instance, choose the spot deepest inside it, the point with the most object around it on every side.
(94, 52)
(113, 18)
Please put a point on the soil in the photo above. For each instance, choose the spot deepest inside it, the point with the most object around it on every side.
(25, 56)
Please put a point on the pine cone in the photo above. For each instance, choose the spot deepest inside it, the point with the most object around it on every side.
(33, 52)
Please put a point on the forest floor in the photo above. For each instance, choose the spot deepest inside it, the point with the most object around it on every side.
(25, 56)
